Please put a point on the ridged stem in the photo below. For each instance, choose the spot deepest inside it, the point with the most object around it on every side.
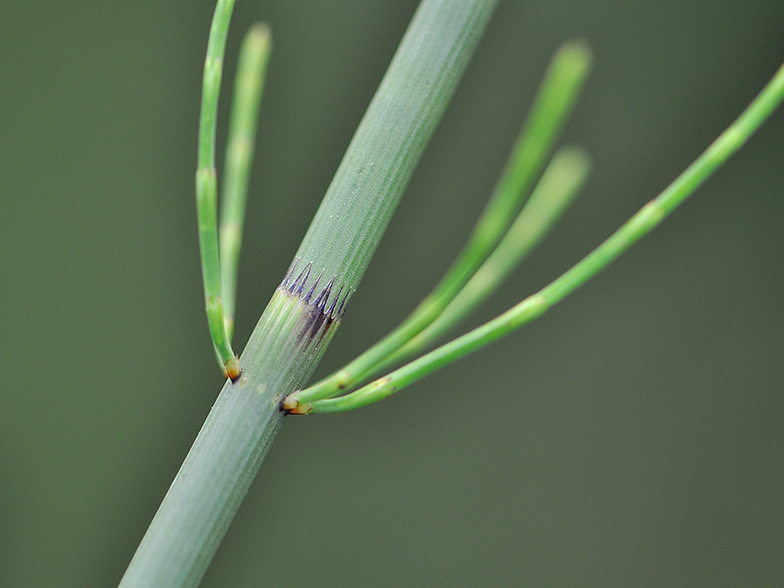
(296, 327)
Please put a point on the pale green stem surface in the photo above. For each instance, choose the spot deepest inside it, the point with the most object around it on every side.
(227, 453)
(553, 104)
(639, 225)
(207, 188)
(243, 122)
(393, 134)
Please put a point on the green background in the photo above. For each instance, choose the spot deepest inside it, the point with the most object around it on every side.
(630, 437)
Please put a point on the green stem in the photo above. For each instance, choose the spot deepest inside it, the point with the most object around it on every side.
(207, 188)
(248, 86)
(560, 182)
(639, 225)
(553, 104)
(294, 330)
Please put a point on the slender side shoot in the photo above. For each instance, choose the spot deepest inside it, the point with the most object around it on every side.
(636, 227)
(248, 86)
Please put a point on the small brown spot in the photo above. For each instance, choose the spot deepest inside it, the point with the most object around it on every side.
(302, 409)
(289, 402)
(232, 369)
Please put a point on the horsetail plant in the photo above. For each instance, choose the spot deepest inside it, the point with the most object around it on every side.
(305, 310)
(295, 328)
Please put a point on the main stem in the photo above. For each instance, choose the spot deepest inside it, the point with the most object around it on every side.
(289, 339)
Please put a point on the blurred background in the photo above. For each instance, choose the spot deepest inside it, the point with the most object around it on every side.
(632, 436)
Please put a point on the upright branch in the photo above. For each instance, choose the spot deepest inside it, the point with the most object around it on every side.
(248, 86)
(207, 189)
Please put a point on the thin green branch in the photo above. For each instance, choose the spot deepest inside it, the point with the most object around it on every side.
(248, 86)
(207, 188)
(562, 180)
(553, 104)
(639, 225)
